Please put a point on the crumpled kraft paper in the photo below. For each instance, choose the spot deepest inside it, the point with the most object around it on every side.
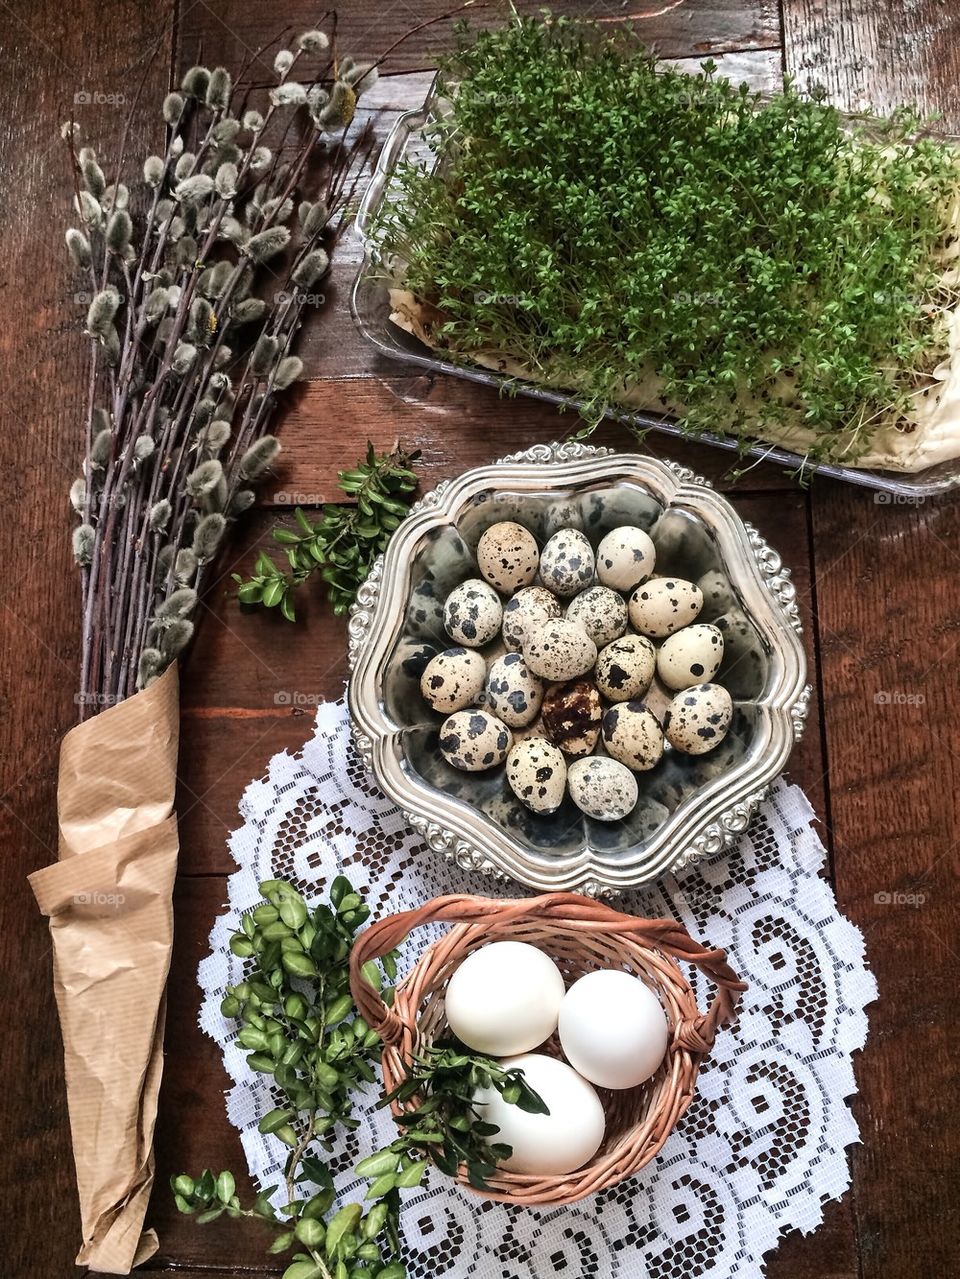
(109, 902)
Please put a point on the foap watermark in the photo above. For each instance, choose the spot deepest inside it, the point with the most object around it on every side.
(483, 298)
(883, 498)
(83, 297)
(301, 298)
(97, 98)
(898, 697)
(295, 697)
(97, 898)
(915, 900)
(97, 699)
(285, 498)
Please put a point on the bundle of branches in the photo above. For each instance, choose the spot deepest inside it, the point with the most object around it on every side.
(199, 275)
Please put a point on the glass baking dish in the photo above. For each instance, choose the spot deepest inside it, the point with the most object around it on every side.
(370, 306)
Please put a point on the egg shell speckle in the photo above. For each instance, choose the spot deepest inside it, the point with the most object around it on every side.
(473, 613)
(453, 679)
(625, 557)
(625, 668)
(567, 562)
(663, 605)
(571, 716)
(698, 718)
(560, 650)
(602, 788)
(632, 734)
(691, 656)
(601, 612)
(528, 610)
(508, 556)
(513, 692)
(474, 740)
(537, 774)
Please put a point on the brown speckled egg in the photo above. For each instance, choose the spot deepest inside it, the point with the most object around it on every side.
(602, 788)
(571, 716)
(632, 735)
(525, 612)
(513, 692)
(566, 562)
(537, 774)
(560, 650)
(698, 718)
(508, 556)
(473, 613)
(691, 656)
(625, 557)
(453, 679)
(474, 740)
(625, 668)
(663, 605)
(601, 612)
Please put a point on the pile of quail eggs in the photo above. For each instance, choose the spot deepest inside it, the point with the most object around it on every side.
(587, 638)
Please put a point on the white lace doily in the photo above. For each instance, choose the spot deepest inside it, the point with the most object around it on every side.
(761, 1148)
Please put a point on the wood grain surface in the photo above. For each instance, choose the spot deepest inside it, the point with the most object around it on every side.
(876, 582)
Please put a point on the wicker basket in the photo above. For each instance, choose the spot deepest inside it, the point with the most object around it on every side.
(580, 934)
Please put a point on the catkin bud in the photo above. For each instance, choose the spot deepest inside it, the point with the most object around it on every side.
(313, 42)
(178, 604)
(185, 566)
(205, 478)
(153, 168)
(185, 165)
(78, 494)
(226, 181)
(88, 208)
(314, 220)
(216, 435)
(253, 121)
(361, 76)
(311, 268)
(267, 244)
(243, 499)
(91, 172)
(264, 354)
(151, 663)
(288, 94)
(160, 515)
(83, 541)
(116, 196)
(283, 62)
(101, 311)
(259, 457)
(156, 305)
(172, 108)
(341, 107)
(288, 370)
(219, 89)
(195, 82)
(207, 537)
(119, 231)
(78, 246)
(260, 159)
(201, 321)
(143, 447)
(184, 358)
(101, 450)
(175, 638)
(194, 189)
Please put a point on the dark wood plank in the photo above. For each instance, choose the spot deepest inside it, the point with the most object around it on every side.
(53, 52)
(889, 617)
(231, 30)
(888, 612)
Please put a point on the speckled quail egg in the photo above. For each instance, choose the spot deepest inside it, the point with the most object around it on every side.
(632, 735)
(560, 650)
(601, 612)
(453, 679)
(474, 740)
(691, 656)
(566, 562)
(663, 605)
(625, 557)
(602, 788)
(698, 718)
(508, 556)
(537, 774)
(525, 612)
(473, 613)
(571, 715)
(625, 668)
(513, 692)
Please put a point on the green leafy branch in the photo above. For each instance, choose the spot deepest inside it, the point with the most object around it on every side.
(299, 1024)
(342, 545)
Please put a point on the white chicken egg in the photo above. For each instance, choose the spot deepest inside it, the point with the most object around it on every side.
(691, 656)
(613, 1029)
(625, 557)
(555, 1143)
(504, 998)
(566, 562)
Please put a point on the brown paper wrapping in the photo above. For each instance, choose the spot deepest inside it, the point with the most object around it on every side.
(109, 902)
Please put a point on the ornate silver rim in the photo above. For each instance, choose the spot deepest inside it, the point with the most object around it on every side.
(470, 839)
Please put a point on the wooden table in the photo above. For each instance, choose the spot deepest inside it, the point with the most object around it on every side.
(877, 585)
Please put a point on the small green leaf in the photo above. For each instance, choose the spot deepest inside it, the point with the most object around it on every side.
(341, 1223)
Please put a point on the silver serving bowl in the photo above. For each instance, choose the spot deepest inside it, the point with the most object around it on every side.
(689, 806)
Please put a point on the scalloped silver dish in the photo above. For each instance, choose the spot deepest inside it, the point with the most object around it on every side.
(689, 807)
